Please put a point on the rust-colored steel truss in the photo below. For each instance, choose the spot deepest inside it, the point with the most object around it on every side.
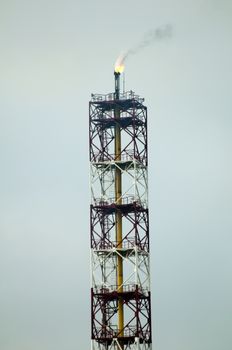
(133, 124)
(103, 225)
(104, 308)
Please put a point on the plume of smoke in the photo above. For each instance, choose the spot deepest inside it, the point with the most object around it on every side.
(148, 39)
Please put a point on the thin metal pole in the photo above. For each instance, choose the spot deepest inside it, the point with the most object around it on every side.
(124, 87)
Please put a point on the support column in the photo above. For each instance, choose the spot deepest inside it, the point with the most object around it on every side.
(118, 201)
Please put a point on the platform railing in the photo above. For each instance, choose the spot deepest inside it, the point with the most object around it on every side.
(110, 116)
(112, 331)
(124, 244)
(128, 95)
(125, 156)
(128, 288)
(123, 201)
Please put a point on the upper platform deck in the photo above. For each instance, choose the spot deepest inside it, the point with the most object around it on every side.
(126, 100)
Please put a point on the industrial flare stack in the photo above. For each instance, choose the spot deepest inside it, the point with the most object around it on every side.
(119, 225)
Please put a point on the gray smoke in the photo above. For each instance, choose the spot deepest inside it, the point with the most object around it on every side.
(148, 39)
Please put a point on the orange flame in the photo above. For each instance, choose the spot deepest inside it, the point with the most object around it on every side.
(119, 65)
(119, 69)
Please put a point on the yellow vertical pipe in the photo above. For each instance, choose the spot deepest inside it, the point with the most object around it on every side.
(118, 222)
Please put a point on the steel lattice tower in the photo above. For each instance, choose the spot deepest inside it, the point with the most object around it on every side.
(119, 225)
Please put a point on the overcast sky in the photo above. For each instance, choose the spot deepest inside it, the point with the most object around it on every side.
(53, 55)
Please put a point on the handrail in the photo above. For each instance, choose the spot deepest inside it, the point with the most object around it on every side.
(125, 244)
(128, 95)
(111, 331)
(124, 157)
(125, 289)
(123, 201)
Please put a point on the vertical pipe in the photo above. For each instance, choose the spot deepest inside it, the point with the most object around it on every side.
(118, 200)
